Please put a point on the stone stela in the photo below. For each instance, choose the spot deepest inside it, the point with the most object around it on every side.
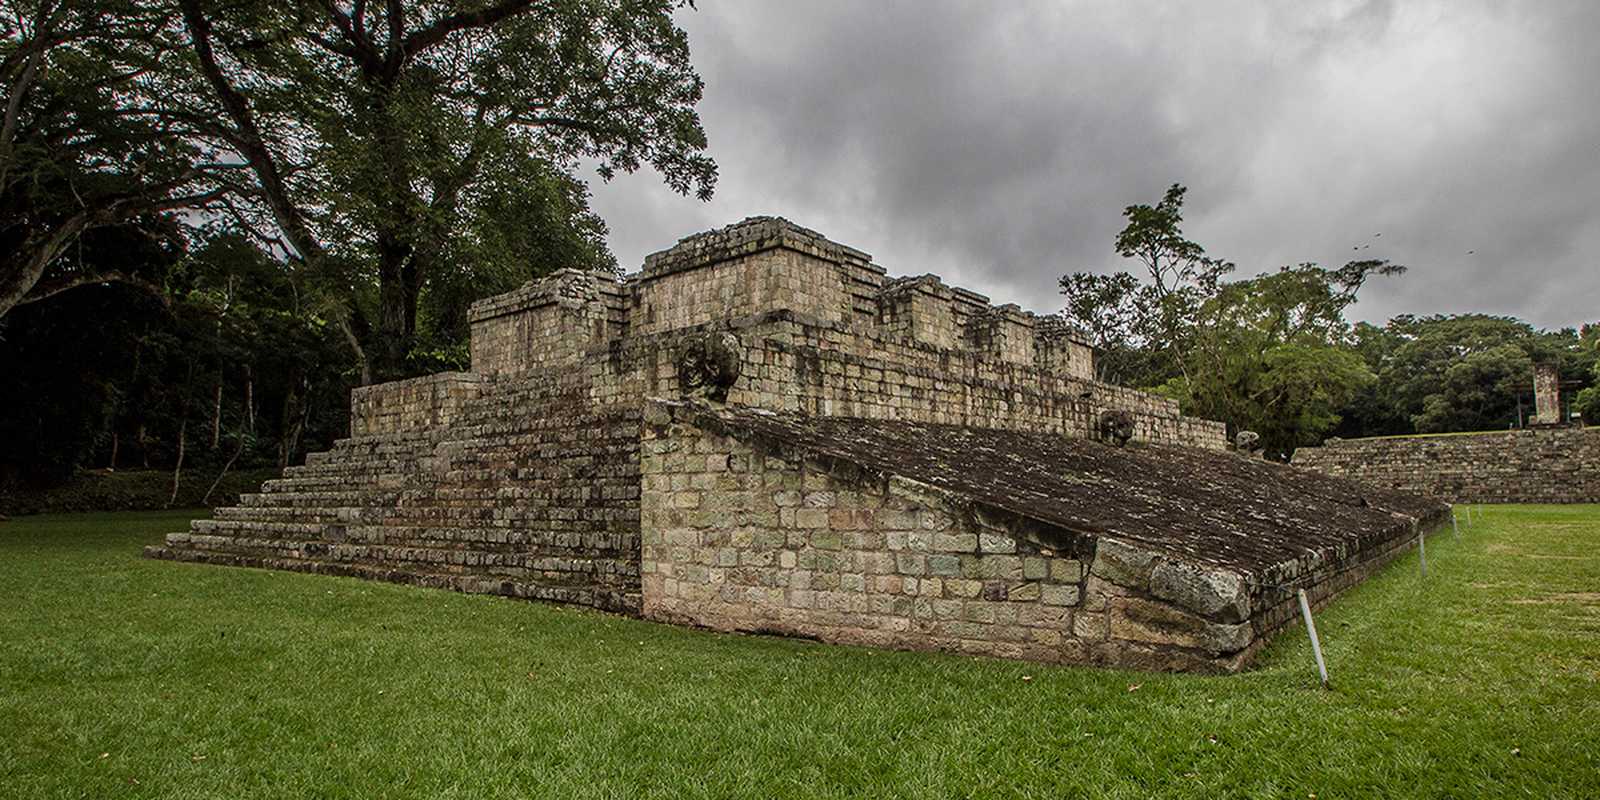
(761, 431)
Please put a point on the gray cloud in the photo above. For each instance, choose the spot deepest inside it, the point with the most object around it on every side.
(996, 144)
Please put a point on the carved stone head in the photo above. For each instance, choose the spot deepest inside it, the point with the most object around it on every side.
(708, 365)
(1115, 427)
(1247, 442)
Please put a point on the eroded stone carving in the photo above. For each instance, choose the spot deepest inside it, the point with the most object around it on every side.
(1248, 443)
(1115, 427)
(709, 365)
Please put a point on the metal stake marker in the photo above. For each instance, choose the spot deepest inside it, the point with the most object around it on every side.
(1316, 646)
(1456, 524)
(1422, 550)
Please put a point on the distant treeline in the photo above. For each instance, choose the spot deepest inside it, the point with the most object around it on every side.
(1274, 354)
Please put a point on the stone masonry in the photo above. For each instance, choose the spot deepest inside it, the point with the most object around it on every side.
(761, 431)
(1551, 465)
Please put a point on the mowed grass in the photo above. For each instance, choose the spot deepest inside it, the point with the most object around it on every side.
(126, 677)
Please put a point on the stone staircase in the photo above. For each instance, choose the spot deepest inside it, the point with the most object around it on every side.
(532, 492)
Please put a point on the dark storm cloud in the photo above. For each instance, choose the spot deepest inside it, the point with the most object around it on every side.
(996, 143)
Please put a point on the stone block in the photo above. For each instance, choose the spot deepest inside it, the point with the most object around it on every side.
(996, 543)
(965, 589)
(979, 611)
(1122, 564)
(1066, 570)
(1209, 592)
(1026, 592)
(1058, 595)
(955, 542)
(811, 518)
(911, 564)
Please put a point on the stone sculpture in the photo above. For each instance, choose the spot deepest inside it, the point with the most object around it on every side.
(1116, 427)
(709, 365)
(1247, 442)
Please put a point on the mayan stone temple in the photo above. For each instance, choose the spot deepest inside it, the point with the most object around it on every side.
(762, 432)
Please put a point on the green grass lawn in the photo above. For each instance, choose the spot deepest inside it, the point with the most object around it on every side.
(126, 677)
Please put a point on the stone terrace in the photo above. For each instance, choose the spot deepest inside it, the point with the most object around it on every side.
(762, 431)
(902, 534)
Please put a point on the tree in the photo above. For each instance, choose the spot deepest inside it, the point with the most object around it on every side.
(225, 366)
(1102, 307)
(1182, 276)
(382, 137)
(1470, 372)
(1271, 354)
(78, 152)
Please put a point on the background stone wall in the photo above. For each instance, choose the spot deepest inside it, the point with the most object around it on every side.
(1526, 466)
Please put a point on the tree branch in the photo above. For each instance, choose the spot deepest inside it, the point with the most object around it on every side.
(444, 26)
(249, 141)
(53, 286)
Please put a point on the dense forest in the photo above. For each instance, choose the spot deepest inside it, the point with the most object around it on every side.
(216, 218)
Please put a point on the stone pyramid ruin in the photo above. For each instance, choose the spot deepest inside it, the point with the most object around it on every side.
(762, 432)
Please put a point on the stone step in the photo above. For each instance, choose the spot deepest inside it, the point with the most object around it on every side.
(619, 538)
(553, 482)
(606, 598)
(613, 467)
(549, 457)
(555, 517)
(535, 567)
(528, 492)
(557, 494)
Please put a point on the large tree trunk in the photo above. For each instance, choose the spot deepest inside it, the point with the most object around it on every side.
(397, 304)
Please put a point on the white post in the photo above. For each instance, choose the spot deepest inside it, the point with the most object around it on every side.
(1422, 550)
(1311, 628)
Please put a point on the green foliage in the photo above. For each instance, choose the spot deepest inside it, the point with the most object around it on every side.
(1471, 372)
(1587, 403)
(376, 169)
(131, 677)
(134, 490)
(78, 150)
(224, 366)
(392, 143)
(1271, 354)
(1182, 278)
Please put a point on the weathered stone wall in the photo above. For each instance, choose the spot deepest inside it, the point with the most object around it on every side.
(1526, 466)
(429, 402)
(745, 533)
(546, 322)
(747, 269)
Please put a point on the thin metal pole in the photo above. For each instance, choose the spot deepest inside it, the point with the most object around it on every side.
(1422, 549)
(1311, 628)
(1455, 524)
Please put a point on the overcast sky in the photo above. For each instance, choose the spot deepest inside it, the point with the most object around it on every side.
(996, 143)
